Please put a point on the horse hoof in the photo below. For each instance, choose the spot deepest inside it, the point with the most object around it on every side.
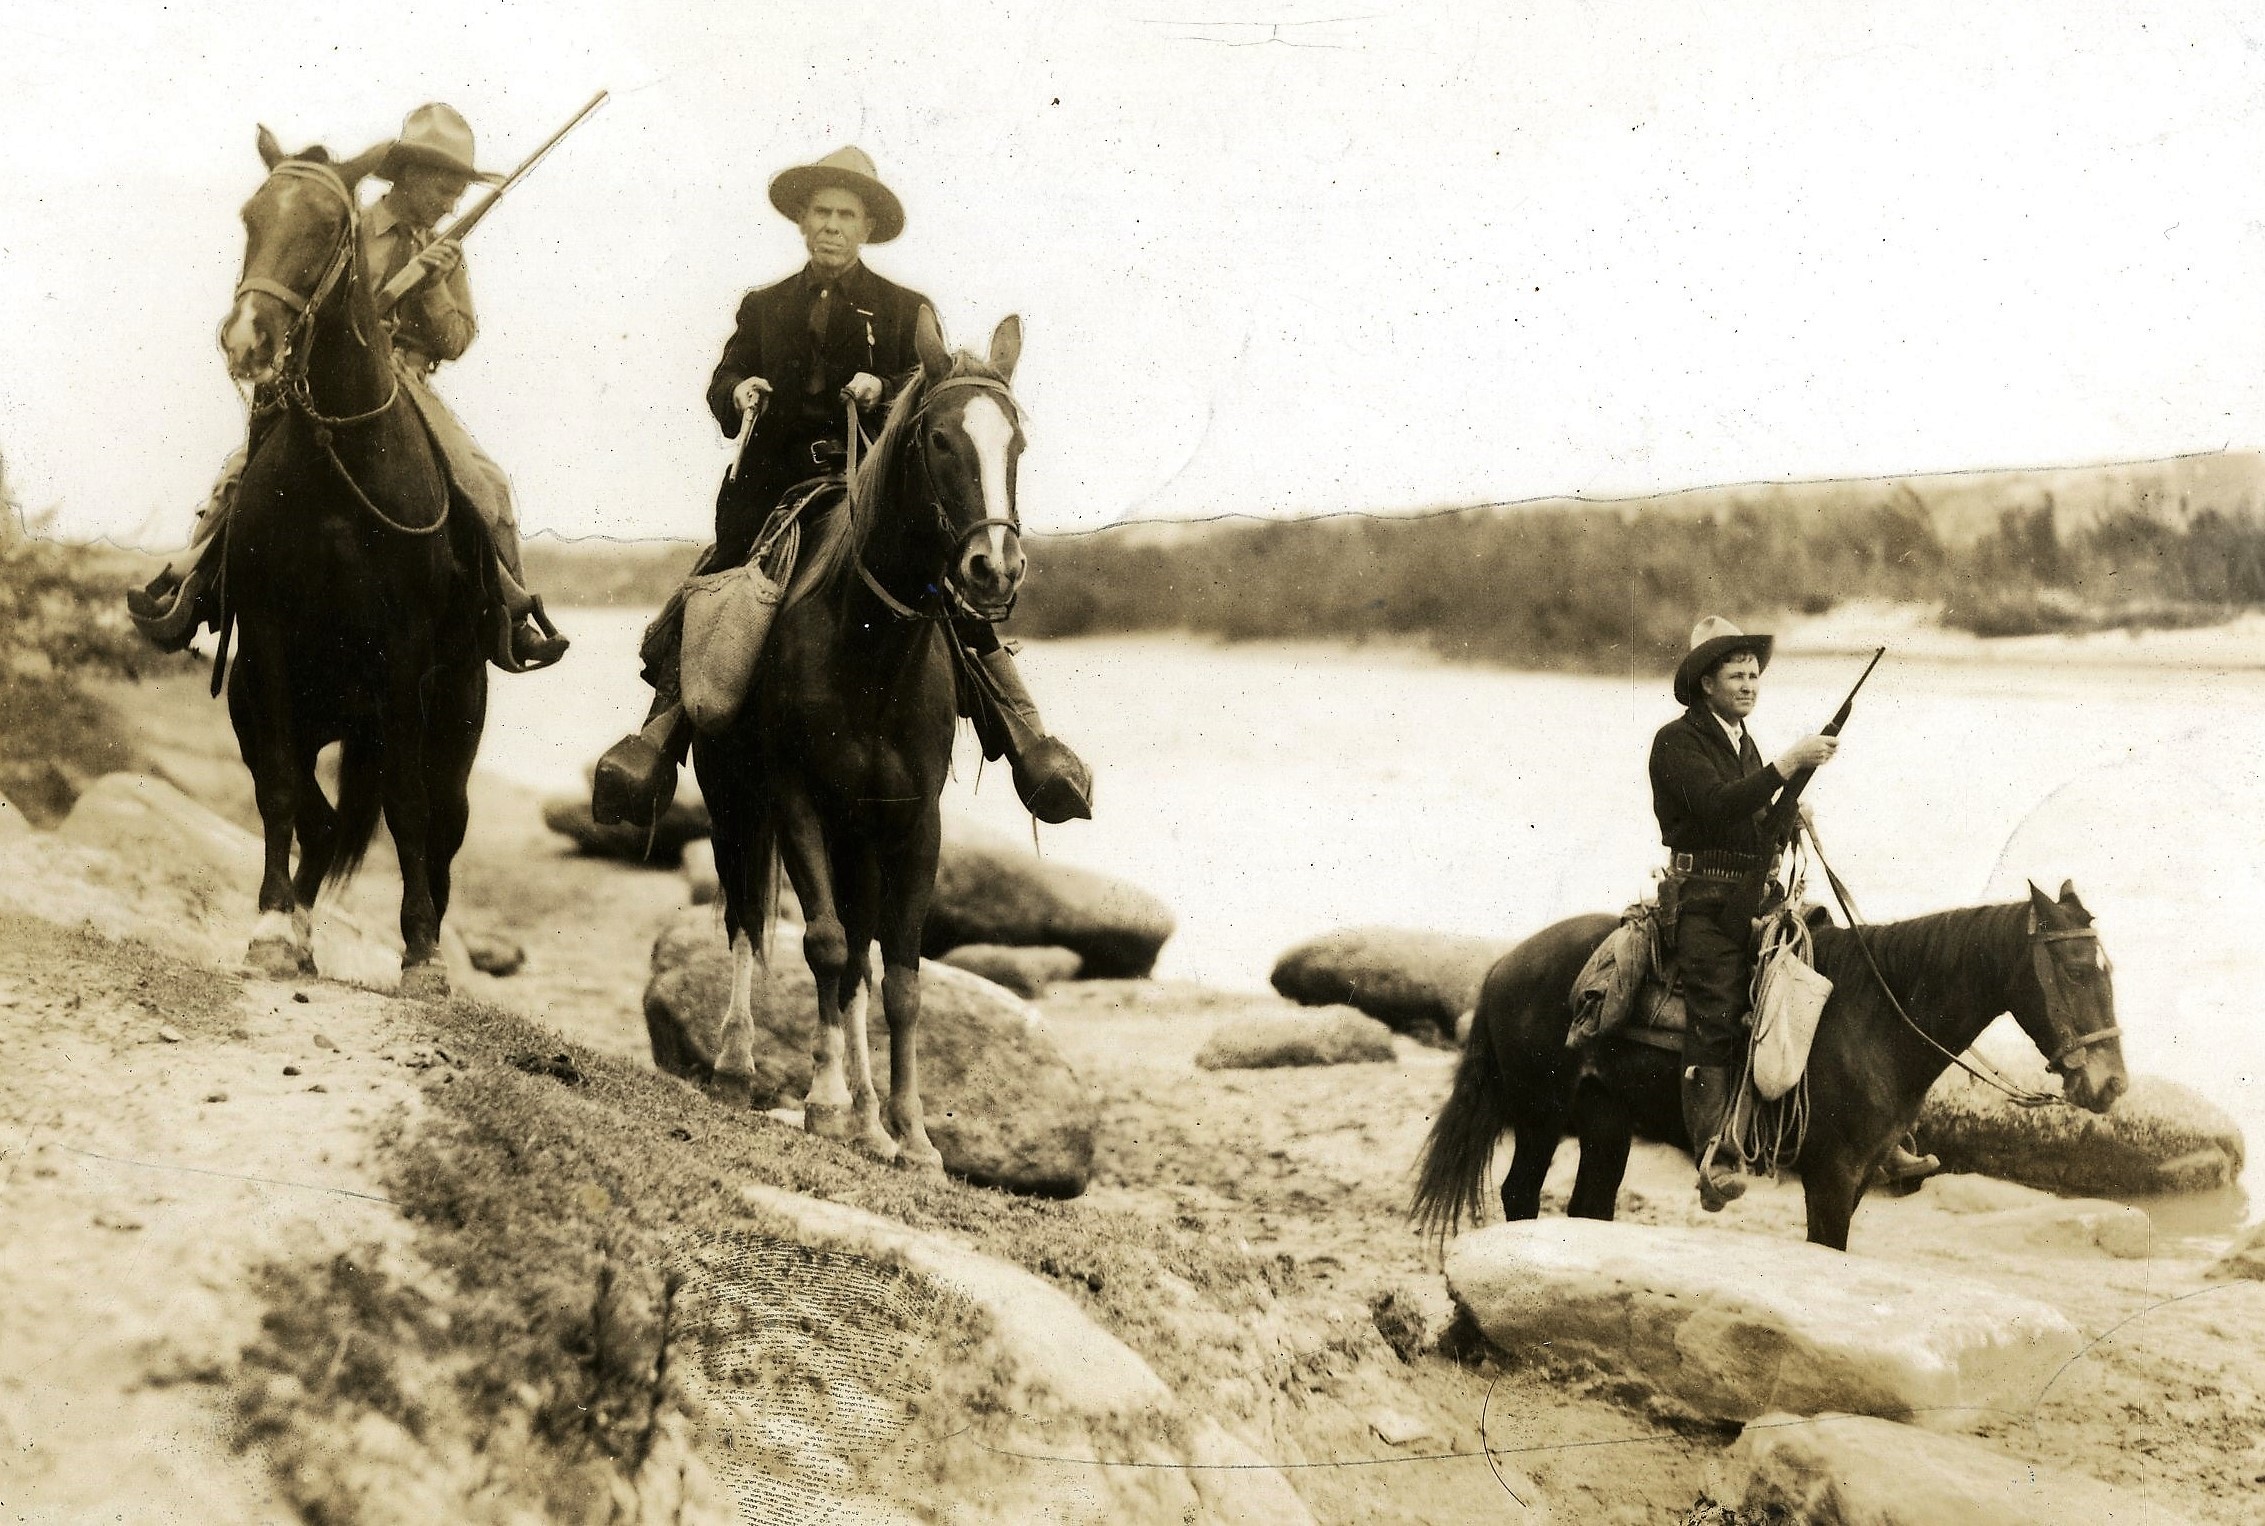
(424, 982)
(874, 1140)
(827, 1120)
(278, 959)
(731, 1090)
(928, 1162)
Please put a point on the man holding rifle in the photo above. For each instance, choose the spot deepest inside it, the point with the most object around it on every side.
(831, 334)
(429, 167)
(1713, 796)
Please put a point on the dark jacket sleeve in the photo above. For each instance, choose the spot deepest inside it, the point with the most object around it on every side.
(742, 358)
(1682, 772)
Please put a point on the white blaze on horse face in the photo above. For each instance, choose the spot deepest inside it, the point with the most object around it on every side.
(990, 431)
(240, 341)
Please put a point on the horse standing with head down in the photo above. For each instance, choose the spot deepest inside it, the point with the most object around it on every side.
(356, 596)
(836, 762)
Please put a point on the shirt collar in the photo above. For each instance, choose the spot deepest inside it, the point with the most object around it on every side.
(1735, 730)
(383, 218)
(812, 281)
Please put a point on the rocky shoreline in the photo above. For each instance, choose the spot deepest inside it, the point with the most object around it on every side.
(1237, 1235)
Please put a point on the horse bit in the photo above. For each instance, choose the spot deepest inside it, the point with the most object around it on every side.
(291, 385)
(959, 538)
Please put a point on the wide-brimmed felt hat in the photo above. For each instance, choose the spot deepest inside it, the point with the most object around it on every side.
(438, 136)
(1713, 639)
(850, 170)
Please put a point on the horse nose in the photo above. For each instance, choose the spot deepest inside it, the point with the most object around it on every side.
(994, 567)
(245, 344)
(2115, 1086)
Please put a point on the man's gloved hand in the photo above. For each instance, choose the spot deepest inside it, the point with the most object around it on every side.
(1809, 752)
(864, 389)
(751, 395)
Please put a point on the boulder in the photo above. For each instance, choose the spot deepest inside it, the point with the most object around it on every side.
(699, 863)
(2159, 1137)
(1306, 1036)
(681, 823)
(1417, 983)
(1853, 1470)
(2244, 1258)
(494, 954)
(1024, 971)
(1730, 1326)
(1003, 1106)
(990, 890)
(12, 821)
(136, 858)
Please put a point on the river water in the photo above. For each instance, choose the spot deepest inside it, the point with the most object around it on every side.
(1271, 792)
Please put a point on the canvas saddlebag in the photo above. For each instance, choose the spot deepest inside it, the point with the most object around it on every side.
(1789, 997)
(1604, 994)
(726, 616)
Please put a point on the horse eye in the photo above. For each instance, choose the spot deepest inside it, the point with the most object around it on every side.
(940, 440)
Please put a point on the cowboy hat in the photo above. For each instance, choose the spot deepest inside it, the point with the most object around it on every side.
(849, 169)
(438, 136)
(1713, 639)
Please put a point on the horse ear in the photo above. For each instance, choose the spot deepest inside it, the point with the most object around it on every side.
(1006, 346)
(364, 163)
(2038, 899)
(928, 344)
(2068, 892)
(271, 152)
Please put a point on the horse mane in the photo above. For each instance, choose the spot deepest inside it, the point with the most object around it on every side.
(842, 535)
(1922, 952)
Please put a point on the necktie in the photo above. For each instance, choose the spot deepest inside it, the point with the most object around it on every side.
(821, 310)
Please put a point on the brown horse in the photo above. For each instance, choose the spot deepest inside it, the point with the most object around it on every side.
(354, 592)
(837, 760)
(1954, 972)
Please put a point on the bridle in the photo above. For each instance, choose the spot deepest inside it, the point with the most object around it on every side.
(956, 537)
(289, 389)
(2049, 982)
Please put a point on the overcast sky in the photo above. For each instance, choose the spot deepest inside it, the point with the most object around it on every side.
(1272, 257)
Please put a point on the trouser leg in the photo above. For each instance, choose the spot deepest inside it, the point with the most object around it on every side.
(174, 606)
(1711, 956)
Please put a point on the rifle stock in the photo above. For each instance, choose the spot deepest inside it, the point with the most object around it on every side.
(410, 276)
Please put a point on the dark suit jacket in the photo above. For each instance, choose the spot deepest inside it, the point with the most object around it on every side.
(869, 328)
(1706, 796)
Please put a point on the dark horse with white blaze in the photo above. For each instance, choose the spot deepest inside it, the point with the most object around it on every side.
(1954, 972)
(837, 759)
(354, 593)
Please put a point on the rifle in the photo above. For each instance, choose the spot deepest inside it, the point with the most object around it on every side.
(413, 274)
(1784, 818)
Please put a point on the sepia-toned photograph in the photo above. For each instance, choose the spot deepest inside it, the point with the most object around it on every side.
(1261, 764)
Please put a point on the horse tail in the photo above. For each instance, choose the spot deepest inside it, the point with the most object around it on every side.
(360, 800)
(1451, 1171)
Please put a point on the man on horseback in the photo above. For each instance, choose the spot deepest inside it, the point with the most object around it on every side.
(430, 167)
(1710, 791)
(832, 333)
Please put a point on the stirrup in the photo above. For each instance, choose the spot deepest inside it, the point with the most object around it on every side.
(635, 781)
(168, 617)
(1052, 782)
(1717, 1188)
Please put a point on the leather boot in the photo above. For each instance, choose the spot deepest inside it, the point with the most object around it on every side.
(535, 642)
(173, 608)
(636, 779)
(1053, 782)
(1904, 1163)
(1706, 1106)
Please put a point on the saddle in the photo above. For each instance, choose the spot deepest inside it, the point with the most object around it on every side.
(1631, 989)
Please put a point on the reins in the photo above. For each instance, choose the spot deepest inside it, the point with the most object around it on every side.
(889, 601)
(2020, 1096)
(291, 388)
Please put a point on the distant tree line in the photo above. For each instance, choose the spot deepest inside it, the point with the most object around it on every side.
(1589, 587)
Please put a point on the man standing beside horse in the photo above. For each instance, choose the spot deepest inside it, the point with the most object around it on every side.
(830, 336)
(430, 167)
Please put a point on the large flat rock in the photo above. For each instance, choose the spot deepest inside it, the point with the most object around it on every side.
(2159, 1137)
(1003, 1105)
(1415, 982)
(990, 889)
(1853, 1470)
(1732, 1326)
